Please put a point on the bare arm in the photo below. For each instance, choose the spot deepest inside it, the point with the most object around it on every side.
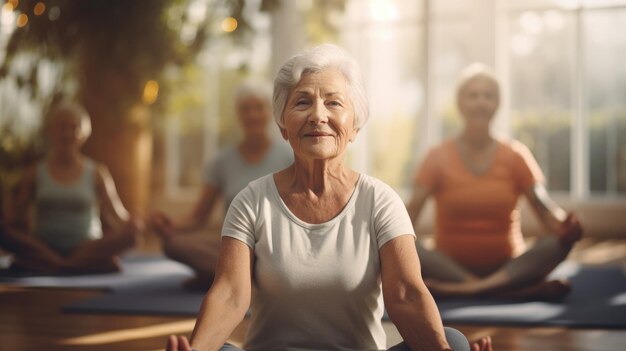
(165, 226)
(201, 210)
(226, 303)
(22, 198)
(111, 205)
(417, 202)
(564, 224)
(409, 303)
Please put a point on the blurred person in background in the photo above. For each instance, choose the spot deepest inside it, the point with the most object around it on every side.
(476, 180)
(232, 169)
(72, 196)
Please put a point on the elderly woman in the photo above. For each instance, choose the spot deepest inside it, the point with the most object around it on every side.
(70, 193)
(317, 247)
(233, 168)
(477, 180)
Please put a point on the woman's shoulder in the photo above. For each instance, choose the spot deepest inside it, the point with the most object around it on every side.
(371, 185)
(444, 146)
(513, 147)
(257, 188)
(442, 150)
(226, 152)
(98, 169)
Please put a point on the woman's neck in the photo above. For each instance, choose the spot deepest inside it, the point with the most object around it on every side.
(320, 176)
(476, 140)
(64, 158)
(255, 141)
(254, 147)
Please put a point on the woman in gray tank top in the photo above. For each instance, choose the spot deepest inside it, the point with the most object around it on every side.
(69, 193)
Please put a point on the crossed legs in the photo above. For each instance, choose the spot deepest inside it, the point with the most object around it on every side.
(522, 277)
(93, 256)
(198, 251)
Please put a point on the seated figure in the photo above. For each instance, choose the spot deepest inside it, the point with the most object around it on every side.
(71, 196)
(476, 180)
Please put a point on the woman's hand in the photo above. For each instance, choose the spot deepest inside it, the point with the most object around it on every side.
(178, 343)
(570, 230)
(482, 344)
(162, 224)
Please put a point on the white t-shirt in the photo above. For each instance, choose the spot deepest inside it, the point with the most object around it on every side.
(316, 286)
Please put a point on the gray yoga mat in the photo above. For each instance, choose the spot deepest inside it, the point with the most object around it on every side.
(598, 300)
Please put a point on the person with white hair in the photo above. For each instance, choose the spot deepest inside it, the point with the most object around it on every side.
(476, 180)
(316, 248)
(185, 239)
(71, 195)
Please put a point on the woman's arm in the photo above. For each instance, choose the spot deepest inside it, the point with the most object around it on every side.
(192, 221)
(409, 303)
(22, 197)
(226, 303)
(416, 203)
(111, 206)
(565, 225)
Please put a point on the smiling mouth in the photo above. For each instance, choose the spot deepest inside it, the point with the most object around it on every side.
(317, 134)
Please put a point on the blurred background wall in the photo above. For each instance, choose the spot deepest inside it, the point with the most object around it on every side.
(157, 77)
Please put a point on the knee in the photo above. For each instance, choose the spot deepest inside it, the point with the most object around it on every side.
(134, 229)
(456, 339)
(174, 247)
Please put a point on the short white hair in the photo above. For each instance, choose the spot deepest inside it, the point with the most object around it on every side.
(67, 106)
(473, 71)
(317, 59)
(255, 88)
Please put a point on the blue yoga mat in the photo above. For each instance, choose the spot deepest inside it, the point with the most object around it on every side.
(137, 271)
(598, 300)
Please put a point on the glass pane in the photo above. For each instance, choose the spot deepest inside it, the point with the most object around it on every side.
(542, 62)
(388, 44)
(605, 78)
(451, 53)
(561, 4)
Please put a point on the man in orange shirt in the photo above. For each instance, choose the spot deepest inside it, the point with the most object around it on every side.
(477, 180)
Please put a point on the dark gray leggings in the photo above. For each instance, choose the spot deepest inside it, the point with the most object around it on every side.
(534, 264)
(455, 338)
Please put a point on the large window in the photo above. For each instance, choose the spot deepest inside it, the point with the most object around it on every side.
(542, 54)
(387, 37)
(605, 98)
(559, 63)
(563, 84)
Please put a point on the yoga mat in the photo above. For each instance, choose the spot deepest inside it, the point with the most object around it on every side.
(137, 271)
(157, 297)
(598, 300)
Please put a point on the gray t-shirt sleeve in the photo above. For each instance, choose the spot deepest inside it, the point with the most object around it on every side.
(240, 218)
(390, 216)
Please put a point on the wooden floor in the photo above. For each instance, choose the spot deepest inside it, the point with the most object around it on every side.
(30, 319)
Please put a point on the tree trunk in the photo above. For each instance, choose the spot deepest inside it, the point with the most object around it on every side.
(121, 137)
(124, 145)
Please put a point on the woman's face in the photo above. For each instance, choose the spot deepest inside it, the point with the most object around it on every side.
(319, 115)
(254, 114)
(66, 131)
(478, 101)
